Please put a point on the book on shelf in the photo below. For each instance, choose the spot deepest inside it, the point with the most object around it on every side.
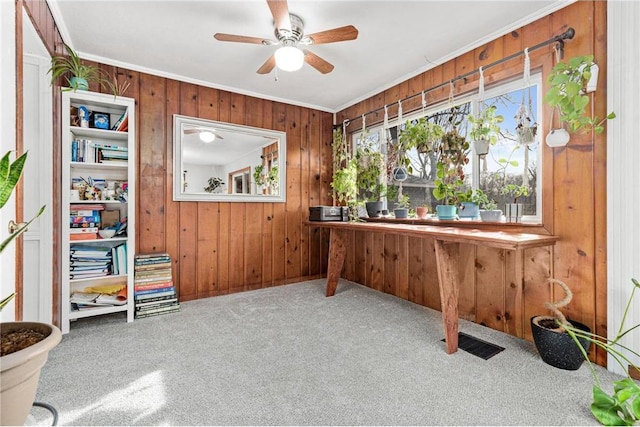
(109, 147)
(157, 308)
(87, 236)
(145, 274)
(97, 298)
(90, 274)
(142, 293)
(90, 251)
(119, 257)
(122, 124)
(83, 230)
(152, 257)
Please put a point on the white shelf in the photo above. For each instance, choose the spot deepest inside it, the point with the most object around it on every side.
(121, 173)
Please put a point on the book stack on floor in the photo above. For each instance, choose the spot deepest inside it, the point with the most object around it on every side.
(154, 291)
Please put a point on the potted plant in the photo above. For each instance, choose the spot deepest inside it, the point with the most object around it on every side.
(345, 187)
(514, 211)
(421, 135)
(81, 74)
(555, 346)
(272, 179)
(622, 407)
(526, 125)
(402, 206)
(489, 211)
(26, 345)
(370, 164)
(568, 95)
(446, 188)
(422, 211)
(258, 178)
(485, 129)
(213, 184)
(467, 204)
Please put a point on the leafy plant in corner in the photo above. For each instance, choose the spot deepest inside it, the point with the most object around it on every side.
(622, 407)
(567, 94)
(81, 74)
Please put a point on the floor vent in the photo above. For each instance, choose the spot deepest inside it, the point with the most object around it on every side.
(477, 347)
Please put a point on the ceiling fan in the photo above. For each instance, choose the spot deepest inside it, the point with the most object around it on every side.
(206, 135)
(289, 32)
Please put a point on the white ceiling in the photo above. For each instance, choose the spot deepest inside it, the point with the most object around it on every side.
(397, 40)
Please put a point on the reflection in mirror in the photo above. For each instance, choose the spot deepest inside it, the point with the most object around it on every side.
(215, 161)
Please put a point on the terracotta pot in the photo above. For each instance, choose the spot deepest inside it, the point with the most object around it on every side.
(422, 212)
(20, 372)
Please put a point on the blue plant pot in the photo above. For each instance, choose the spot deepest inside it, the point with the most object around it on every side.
(468, 210)
(446, 211)
(401, 213)
(79, 83)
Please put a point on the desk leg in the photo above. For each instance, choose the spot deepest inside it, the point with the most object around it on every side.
(446, 261)
(337, 252)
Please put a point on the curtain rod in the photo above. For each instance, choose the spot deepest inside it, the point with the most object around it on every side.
(559, 39)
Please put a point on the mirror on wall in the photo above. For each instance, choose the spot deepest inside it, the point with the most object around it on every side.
(216, 161)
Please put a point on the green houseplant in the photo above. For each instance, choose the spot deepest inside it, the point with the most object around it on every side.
(401, 209)
(453, 150)
(370, 165)
(272, 179)
(485, 129)
(568, 95)
(622, 407)
(80, 74)
(21, 362)
(489, 211)
(421, 135)
(345, 175)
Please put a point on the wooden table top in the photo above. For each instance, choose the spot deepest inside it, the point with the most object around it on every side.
(495, 239)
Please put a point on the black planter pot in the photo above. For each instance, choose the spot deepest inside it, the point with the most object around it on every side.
(374, 208)
(558, 348)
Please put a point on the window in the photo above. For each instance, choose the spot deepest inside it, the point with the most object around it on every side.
(508, 162)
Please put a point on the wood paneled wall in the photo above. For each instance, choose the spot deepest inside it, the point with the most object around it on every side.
(216, 248)
(574, 196)
(219, 248)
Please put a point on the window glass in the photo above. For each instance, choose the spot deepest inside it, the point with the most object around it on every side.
(509, 161)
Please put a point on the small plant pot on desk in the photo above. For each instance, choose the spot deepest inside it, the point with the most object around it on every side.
(555, 346)
(374, 209)
(490, 215)
(446, 211)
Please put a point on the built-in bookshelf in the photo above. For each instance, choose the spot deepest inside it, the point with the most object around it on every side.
(98, 206)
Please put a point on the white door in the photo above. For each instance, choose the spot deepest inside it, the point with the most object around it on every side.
(37, 178)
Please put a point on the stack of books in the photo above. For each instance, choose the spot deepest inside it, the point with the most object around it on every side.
(84, 221)
(90, 261)
(153, 286)
(87, 151)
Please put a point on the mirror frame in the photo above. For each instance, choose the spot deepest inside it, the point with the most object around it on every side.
(178, 195)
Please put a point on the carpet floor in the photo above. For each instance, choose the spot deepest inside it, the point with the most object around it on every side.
(290, 356)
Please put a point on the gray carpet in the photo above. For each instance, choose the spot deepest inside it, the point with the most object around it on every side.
(290, 356)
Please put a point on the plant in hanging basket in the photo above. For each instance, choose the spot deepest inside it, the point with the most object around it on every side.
(568, 94)
(421, 135)
(526, 125)
(485, 129)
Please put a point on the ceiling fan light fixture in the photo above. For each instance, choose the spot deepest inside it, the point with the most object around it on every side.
(207, 136)
(289, 58)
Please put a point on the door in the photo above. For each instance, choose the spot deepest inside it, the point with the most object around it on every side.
(37, 178)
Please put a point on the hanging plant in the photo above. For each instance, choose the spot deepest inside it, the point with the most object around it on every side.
(526, 125)
(485, 129)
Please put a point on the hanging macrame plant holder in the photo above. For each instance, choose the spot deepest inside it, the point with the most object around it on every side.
(481, 145)
(526, 125)
(558, 137)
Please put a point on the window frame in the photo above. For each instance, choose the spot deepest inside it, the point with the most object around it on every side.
(494, 90)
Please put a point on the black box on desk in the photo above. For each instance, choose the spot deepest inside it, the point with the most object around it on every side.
(328, 213)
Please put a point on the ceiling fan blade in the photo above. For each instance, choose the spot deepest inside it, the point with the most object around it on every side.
(316, 62)
(268, 65)
(348, 32)
(280, 12)
(240, 39)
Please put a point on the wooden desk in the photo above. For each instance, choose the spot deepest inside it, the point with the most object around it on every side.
(446, 241)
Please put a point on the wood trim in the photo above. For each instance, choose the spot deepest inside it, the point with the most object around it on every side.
(19, 266)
